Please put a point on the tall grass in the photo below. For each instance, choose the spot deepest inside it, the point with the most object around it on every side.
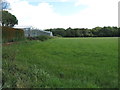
(62, 63)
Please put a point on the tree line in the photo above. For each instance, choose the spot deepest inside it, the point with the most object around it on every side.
(85, 32)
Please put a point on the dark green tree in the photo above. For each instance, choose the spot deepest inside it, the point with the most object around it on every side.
(8, 19)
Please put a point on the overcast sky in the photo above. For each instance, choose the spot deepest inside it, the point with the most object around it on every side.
(45, 14)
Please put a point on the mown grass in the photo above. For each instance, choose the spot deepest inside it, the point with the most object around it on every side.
(62, 63)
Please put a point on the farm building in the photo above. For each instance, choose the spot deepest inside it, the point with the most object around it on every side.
(32, 32)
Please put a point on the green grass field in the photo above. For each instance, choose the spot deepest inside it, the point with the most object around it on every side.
(62, 63)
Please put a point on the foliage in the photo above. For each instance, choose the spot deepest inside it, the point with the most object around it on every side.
(41, 38)
(8, 19)
(12, 34)
(61, 63)
(84, 32)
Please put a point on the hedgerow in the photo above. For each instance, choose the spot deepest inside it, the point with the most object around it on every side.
(12, 34)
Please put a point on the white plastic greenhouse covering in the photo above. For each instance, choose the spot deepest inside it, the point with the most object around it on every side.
(31, 32)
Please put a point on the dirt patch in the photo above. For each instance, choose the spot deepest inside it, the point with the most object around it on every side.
(9, 43)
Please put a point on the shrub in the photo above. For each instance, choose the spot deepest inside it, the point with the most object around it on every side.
(41, 38)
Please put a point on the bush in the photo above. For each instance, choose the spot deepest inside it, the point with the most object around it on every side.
(12, 34)
(41, 38)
